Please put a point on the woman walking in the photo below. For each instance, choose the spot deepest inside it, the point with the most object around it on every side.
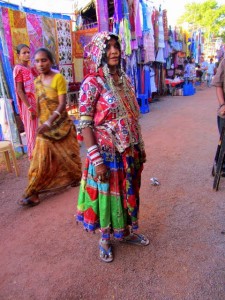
(24, 77)
(109, 112)
(56, 161)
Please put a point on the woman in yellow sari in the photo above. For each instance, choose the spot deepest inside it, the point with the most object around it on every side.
(56, 161)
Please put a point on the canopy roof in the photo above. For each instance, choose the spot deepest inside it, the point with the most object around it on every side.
(88, 12)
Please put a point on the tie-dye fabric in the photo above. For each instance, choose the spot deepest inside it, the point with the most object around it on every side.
(35, 33)
(7, 33)
(49, 34)
(18, 30)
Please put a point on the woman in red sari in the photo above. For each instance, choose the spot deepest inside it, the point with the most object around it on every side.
(23, 76)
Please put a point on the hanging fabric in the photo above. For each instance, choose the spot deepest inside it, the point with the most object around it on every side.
(19, 32)
(102, 15)
(35, 34)
(7, 32)
(49, 34)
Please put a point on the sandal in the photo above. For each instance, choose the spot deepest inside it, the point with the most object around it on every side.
(105, 255)
(28, 202)
(136, 239)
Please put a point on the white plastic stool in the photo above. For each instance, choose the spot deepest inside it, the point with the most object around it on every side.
(6, 148)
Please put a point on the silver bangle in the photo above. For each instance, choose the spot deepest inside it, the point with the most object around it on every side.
(47, 123)
(57, 112)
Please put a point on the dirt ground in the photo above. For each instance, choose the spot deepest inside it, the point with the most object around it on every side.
(45, 255)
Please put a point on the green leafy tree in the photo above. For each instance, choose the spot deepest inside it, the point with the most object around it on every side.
(208, 15)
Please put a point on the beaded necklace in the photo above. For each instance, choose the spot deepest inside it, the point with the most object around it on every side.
(126, 103)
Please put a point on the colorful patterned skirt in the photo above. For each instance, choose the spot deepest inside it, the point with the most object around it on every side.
(112, 205)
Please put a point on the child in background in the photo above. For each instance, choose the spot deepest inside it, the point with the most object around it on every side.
(199, 74)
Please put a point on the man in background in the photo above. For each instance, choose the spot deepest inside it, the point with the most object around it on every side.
(210, 72)
(204, 68)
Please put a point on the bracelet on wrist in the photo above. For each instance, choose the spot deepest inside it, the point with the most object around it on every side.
(92, 148)
(57, 112)
(221, 105)
(94, 155)
(47, 123)
(98, 162)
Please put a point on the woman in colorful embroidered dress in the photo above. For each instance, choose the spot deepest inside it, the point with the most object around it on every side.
(109, 192)
(56, 161)
(24, 76)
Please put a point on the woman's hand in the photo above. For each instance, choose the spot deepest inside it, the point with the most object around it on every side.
(144, 156)
(222, 110)
(33, 113)
(43, 128)
(102, 173)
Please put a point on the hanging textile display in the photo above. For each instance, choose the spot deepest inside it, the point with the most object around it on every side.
(4, 86)
(7, 33)
(161, 43)
(80, 39)
(64, 41)
(127, 37)
(5, 68)
(102, 15)
(165, 25)
(65, 49)
(67, 72)
(78, 69)
(18, 30)
(7, 119)
(49, 34)
(34, 29)
(8, 123)
(4, 122)
(148, 36)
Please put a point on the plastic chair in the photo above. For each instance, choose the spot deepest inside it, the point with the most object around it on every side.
(6, 148)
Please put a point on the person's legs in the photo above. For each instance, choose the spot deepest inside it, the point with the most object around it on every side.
(105, 248)
(210, 80)
(220, 124)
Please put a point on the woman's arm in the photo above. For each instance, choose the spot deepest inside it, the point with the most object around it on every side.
(60, 108)
(23, 97)
(60, 86)
(89, 139)
(20, 92)
(90, 143)
(221, 100)
(218, 82)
